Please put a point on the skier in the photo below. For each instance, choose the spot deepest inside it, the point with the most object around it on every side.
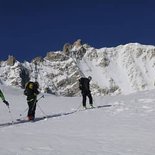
(3, 98)
(31, 91)
(85, 91)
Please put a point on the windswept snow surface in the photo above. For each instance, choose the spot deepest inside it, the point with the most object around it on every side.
(122, 125)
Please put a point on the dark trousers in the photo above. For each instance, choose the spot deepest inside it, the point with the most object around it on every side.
(84, 98)
(32, 108)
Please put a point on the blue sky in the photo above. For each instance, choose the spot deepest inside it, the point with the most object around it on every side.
(30, 28)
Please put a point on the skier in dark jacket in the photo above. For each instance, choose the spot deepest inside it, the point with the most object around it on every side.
(85, 90)
(3, 98)
(31, 91)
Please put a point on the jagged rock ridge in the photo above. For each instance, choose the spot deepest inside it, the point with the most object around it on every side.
(118, 70)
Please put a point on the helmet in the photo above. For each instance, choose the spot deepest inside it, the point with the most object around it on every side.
(89, 77)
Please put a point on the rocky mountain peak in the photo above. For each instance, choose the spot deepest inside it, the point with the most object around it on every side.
(78, 43)
(117, 70)
(11, 60)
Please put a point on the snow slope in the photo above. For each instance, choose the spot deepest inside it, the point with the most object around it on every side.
(122, 125)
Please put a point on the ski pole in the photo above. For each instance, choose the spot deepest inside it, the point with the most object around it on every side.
(42, 111)
(40, 107)
(36, 102)
(40, 97)
(10, 115)
(24, 111)
(78, 107)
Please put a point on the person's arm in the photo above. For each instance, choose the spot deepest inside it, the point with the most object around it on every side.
(3, 98)
(36, 92)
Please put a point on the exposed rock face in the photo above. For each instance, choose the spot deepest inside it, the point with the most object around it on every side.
(37, 59)
(56, 56)
(66, 48)
(80, 53)
(11, 60)
(76, 50)
(119, 70)
(78, 43)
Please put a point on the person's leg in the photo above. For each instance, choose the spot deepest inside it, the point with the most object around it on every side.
(31, 111)
(90, 99)
(84, 100)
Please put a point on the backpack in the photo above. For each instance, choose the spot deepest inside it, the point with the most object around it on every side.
(84, 84)
(28, 88)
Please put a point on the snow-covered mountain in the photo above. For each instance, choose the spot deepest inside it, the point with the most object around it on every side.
(118, 70)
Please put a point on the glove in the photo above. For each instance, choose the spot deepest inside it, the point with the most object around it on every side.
(6, 102)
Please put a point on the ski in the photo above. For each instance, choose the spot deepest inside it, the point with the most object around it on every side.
(94, 107)
(22, 121)
(6, 124)
(88, 108)
(35, 120)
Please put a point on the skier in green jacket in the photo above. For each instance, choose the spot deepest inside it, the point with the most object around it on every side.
(3, 98)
